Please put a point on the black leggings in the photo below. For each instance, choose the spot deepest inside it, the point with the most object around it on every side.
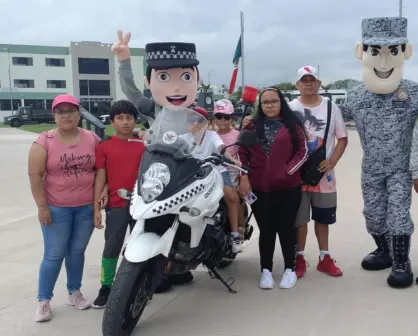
(275, 212)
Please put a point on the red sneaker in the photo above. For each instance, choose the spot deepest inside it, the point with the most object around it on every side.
(328, 266)
(300, 265)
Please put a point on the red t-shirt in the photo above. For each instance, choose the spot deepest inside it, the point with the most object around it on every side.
(121, 160)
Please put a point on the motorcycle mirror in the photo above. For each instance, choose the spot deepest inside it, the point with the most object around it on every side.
(247, 139)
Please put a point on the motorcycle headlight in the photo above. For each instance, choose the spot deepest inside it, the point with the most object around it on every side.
(154, 180)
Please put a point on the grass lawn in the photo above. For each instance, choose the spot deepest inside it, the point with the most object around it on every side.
(39, 128)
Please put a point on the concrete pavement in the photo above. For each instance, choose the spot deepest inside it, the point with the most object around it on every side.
(359, 303)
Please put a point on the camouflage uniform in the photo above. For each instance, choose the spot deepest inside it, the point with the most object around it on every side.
(385, 125)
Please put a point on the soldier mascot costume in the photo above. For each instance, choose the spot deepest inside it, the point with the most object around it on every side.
(384, 108)
(172, 77)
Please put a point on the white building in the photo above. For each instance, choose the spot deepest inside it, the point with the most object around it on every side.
(336, 94)
(34, 75)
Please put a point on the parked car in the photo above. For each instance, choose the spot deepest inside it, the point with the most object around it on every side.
(105, 119)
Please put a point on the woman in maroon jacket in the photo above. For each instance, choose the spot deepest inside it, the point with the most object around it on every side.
(274, 178)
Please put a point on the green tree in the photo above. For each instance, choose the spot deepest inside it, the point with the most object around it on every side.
(326, 87)
(205, 88)
(346, 84)
(286, 86)
(236, 96)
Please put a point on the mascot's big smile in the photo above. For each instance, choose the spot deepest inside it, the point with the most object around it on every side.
(176, 100)
(383, 74)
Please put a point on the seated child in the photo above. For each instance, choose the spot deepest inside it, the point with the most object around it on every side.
(211, 142)
(223, 115)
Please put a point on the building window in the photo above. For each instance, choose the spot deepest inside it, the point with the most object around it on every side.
(94, 87)
(49, 104)
(24, 83)
(9, 104)
(56, 84)
(25, 61)
(38, 104)
(55, 62)
(93, 66)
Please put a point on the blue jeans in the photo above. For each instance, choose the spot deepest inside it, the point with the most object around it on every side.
(66, 237)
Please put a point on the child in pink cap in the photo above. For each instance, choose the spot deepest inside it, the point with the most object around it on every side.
(223, 114)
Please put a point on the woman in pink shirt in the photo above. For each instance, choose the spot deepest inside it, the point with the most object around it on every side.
(61, 171)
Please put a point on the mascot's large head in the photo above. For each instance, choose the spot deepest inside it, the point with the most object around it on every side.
(172, 75)
(383, 50)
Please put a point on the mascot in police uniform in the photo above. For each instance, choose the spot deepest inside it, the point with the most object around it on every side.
(384, 108)
(172, 77)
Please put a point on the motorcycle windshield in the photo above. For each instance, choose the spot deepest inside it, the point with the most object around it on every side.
(176, 131)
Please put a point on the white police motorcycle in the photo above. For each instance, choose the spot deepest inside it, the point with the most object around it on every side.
(179, 220)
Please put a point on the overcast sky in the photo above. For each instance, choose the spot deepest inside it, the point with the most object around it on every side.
(280, 35)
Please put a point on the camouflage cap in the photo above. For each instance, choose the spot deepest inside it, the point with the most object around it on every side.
(384, 31)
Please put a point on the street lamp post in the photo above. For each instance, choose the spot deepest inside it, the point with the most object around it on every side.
(88, 94)
(209, 73)
(9, 70)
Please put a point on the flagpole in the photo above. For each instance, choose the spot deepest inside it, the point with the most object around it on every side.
(242, 51)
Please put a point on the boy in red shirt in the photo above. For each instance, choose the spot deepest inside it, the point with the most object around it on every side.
(117, 164)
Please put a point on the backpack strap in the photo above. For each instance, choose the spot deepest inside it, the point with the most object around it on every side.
(329, 110)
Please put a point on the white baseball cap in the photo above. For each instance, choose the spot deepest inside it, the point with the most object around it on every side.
(308, 70)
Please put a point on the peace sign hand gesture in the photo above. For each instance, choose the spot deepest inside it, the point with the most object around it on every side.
(121, 47)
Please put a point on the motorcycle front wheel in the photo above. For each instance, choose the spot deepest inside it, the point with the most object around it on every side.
(127, 300)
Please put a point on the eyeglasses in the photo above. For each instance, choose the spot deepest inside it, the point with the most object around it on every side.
(221, 116)
(273, 103)
(194, 120)
(62, 112)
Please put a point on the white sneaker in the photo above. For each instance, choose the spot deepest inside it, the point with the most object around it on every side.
(289, 279)
(43, 312)
(77, 300)
(266, 281)
(236, 245)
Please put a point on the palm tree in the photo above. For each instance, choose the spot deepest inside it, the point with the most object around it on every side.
(326, 87)
(205, 88)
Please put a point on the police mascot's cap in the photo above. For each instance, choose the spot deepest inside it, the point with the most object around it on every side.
(168, 55)
(385, 31)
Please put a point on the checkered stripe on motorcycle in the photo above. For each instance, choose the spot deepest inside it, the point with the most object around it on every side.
(179, 199)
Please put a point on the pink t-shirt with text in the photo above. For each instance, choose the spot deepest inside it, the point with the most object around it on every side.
(70, 169)
(228, 139)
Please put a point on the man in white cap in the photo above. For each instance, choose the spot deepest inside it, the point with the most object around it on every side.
(321, 199)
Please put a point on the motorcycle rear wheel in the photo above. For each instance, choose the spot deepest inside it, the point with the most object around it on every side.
(127, 299)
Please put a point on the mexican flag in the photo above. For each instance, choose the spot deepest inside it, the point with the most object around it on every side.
(235, 61)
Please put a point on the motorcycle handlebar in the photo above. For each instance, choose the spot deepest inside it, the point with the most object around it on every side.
(218, 159)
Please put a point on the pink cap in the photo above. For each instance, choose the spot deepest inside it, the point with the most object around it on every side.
(65, 98)
(223, 106)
